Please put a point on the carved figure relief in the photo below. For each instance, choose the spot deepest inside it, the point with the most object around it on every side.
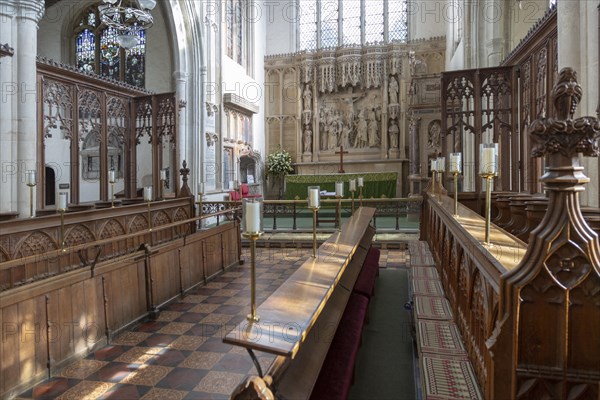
(393, 90)
(307, 96)
(307, 139)
(434, 132)
(393, 132)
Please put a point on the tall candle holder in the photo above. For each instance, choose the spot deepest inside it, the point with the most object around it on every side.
(252, 229)
(112, 179)
(352, 184)
(199, 202)
(163, 180)
(31, 181)
(62, 207)
(314, 202)
(488, 169)
(361, 184)
(339, 193)
(148, 199)
(455, 170)
(440, 169)
(433, 168)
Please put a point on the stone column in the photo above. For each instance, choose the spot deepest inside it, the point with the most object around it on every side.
(415, 155)
(186, 143)
(8, 166)
(28, 14)
(577, 28)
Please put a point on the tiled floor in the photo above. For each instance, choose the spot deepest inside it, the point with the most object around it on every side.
(181, 354)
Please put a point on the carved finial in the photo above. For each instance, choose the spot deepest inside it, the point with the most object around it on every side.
(564, 135)
(567, 93)
(185, 189)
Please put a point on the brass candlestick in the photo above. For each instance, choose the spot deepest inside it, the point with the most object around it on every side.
(253, 236)
(31, 181)
(455, 173)
(149, 217)
(352, 207)
(488, 205)
(338, 212)
(31, 200)
(62, 229)
(360, 195)
(112, 197)
(315, 210)
(200, 209)
(162, 189)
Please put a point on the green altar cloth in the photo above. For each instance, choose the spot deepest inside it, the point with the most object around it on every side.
(377, 184)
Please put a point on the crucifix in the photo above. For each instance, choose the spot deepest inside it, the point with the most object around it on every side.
(341, 153)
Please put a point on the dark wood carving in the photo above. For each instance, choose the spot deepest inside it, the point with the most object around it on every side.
(552, 299)
(110, 118)
(479, 102)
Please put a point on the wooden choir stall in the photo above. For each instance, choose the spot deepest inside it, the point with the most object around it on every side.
(300, 323)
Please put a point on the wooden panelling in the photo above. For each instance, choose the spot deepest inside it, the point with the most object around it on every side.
(76, 302)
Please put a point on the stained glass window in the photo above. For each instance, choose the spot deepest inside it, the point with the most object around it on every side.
(97, 51)
(397, 21)
(308, 24)
(354, 13)
(235, 25)
(110, 54)
(229, 18)
(329, 23)
(351, 22)
(374, 21)
(135, 62)
(85, 50)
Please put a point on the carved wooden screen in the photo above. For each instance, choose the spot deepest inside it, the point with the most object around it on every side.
(90, 125)
(536, 71)
(477, 108)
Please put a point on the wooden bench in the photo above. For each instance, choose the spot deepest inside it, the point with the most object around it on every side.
(315, 301)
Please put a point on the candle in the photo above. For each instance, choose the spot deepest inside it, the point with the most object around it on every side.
(313, 197)
(163, 174)
(201, 188)
(433, 165)
(352, 185)
(62, 201)
(339, 189)
(148, 193)
(236, 184)
(30, 177)
(111, 176)
(455, 163)
(252, 217)
(488, 160)
(361, 181)
(441, 164)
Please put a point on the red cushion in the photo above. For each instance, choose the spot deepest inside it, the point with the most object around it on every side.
(234, 195)
(245, 189)
(365, 283)
(335, 378)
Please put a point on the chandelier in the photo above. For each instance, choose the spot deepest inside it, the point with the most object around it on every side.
(128, 17)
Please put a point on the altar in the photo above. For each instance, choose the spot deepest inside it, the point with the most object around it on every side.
(376, 184)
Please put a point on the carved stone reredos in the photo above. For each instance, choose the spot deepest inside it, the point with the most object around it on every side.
(565, 135)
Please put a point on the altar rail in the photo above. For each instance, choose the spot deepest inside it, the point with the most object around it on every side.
(48, 323)
(278, 211)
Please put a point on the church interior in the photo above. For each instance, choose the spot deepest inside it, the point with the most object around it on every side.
(300, 199)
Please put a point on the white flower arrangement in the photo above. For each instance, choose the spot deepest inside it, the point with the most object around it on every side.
(279, 163)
